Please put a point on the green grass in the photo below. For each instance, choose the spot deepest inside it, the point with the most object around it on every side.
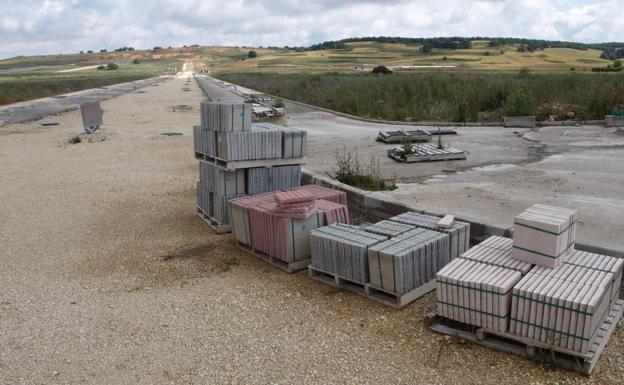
(445, 96)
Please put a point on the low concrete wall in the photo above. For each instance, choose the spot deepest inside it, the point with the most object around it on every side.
(614, 121)
(374, 207)
(519, 121)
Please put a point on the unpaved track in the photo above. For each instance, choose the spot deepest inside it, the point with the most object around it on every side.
(108, 277)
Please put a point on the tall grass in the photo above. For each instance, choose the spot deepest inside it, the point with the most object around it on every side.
(17, 90)
(444, 96)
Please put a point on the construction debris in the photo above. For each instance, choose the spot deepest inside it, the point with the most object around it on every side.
(403, 136)
(425, 153)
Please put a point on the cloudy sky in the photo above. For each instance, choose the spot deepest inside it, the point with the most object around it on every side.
(65, 26)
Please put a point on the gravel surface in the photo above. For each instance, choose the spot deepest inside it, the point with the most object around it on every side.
(109, 277)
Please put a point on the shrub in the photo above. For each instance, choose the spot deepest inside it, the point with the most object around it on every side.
(279, 103)
(381, 70)
(518, 103)
(136, 61)
(350, 171)
(252, 54)
(101, 67)
(112, 66)
(75, 139)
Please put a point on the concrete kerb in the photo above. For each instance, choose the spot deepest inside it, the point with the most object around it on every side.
(374, 207)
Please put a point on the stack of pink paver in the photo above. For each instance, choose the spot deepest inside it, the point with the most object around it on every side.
(278, 224)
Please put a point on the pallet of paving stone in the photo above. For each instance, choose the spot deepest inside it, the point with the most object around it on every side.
(563, 307)
(225, 117)
(264, 179)
(289, 267)
(215, 225)
(408, 261)
(541, 352)
(262, 142)
(443, 131)
(388, 298)
(544, 235)
(230, 165)
(342, 250)
(294, 142)
(404, 136)
(602, 263)
(426, 153)
(459, 233)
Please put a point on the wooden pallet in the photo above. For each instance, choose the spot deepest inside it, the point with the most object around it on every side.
(231, 165)
(536, 350)
(287, 267)
(387, 297)
(443, 131)
(218, 227)
(428, 153)
(404, 136)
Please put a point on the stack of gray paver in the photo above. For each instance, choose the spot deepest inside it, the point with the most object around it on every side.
(476, 293)
(262, 179)
(459, 233)
(408, 261)
(226, 141)
(388, 228)
(496, 251)
(544, 235)
(343, 250)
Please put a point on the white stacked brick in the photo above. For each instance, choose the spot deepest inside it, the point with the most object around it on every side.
(562, 307)
(476, 293)
(342, 250)
(496, 251)
(204, 142)
(408, 261)
(389, 228)
(544, 235)
(225, 117)
(459, 233)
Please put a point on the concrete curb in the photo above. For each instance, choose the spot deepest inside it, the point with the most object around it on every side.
(374, 207)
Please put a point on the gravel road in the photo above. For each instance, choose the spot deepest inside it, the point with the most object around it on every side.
(108, 277)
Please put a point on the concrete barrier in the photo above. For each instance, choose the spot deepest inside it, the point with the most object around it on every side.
(374, 207)
(519, 121)
(614, 121)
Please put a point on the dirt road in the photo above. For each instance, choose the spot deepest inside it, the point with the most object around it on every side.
(108, 277)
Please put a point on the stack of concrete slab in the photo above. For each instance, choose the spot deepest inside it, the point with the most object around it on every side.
(562, 307)
(408, 261)
(342, 250)
(497, 251)
(459, 232)
(278, 224)
(602, 263)
(294, 142)
(476, 293)
(239, 158)
(261, 142)
(225, 117)
(389, 228)
(262, 179)
(544, 235)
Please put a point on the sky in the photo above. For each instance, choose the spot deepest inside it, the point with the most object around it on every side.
(69, 26)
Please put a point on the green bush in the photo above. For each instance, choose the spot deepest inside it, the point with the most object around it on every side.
(112, 66)
(136, 61)
(350, 171)
(252, 54)
(383, 70)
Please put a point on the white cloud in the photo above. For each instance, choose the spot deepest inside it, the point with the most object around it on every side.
(53, 26)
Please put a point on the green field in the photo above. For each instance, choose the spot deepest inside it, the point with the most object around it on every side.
(447, 96)
(35, 77)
